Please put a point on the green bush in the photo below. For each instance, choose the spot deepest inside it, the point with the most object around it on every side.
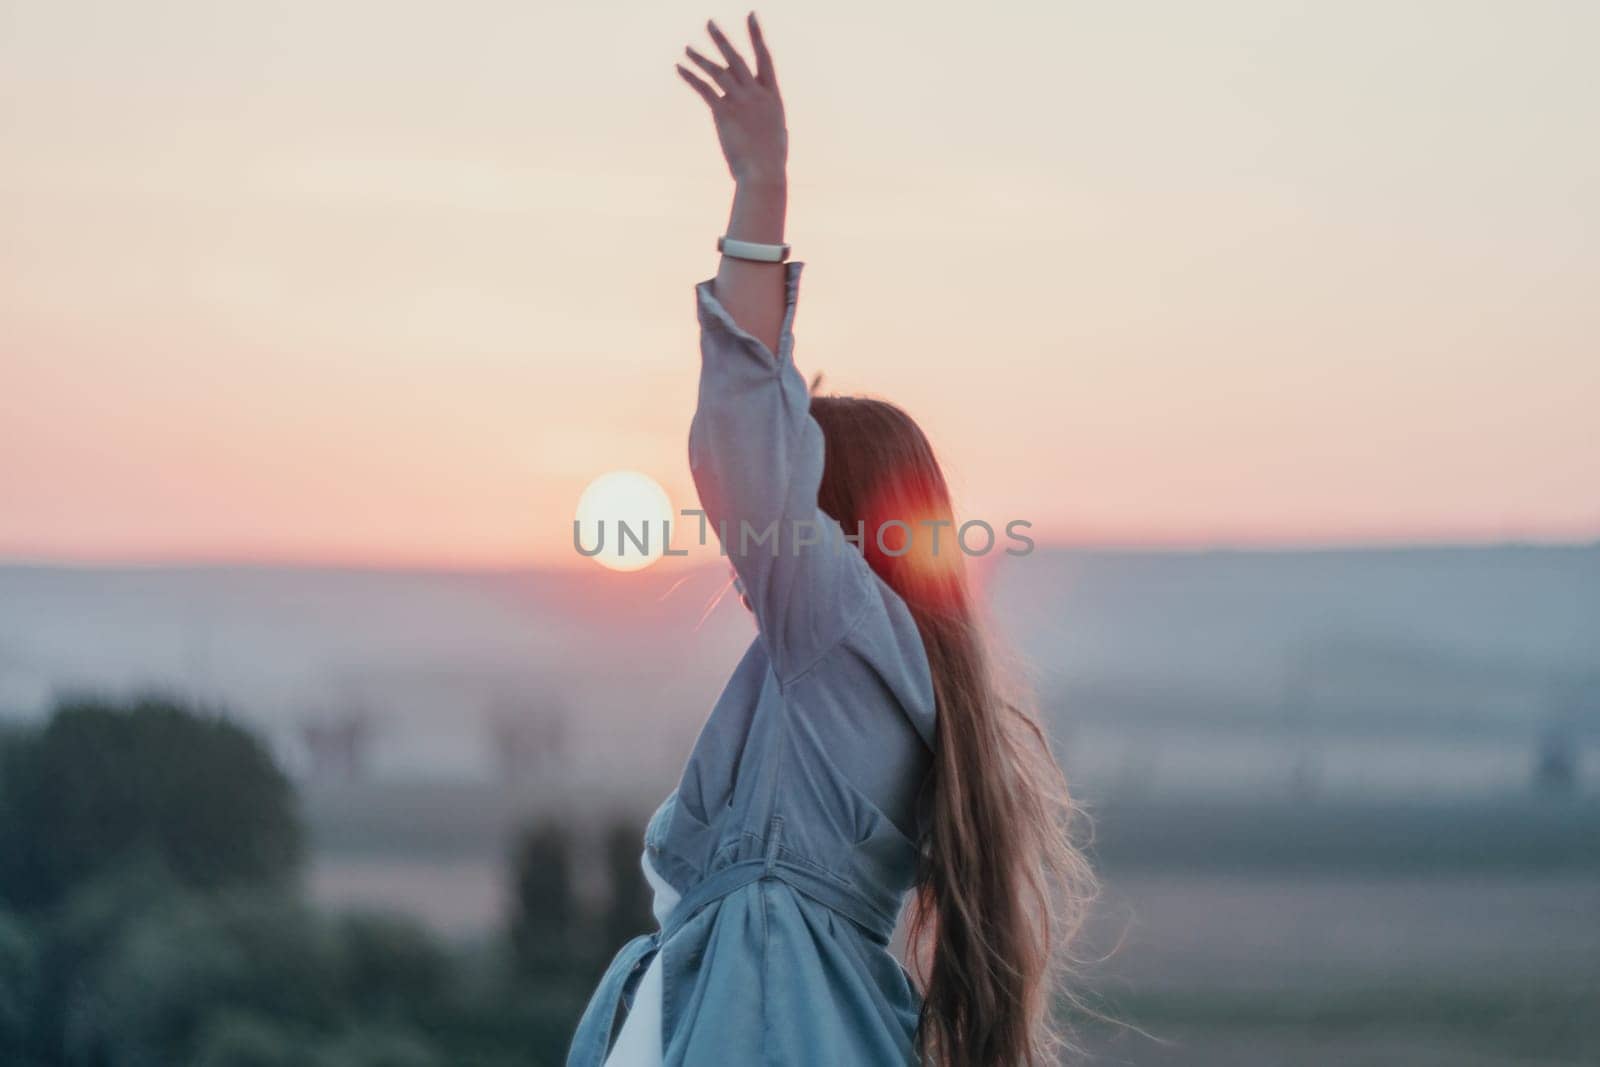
(19, 980)
(150, 917)
(234, 1040)
(195, 959)
(103, 785)
(390, 966)
(261, 977)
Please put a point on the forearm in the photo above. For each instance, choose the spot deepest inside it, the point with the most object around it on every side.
(753, 292)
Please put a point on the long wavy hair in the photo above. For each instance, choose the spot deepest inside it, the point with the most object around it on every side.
(1001, 887)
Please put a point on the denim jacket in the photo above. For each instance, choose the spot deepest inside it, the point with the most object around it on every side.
(792, 832)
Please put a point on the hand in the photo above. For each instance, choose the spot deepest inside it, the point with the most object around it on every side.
(748, 111)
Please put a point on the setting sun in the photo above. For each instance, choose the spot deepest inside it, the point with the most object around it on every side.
(622, 521)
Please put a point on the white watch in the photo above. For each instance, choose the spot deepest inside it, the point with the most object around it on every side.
(761, 253)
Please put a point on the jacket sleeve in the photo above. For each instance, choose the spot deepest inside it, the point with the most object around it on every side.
(756, 455)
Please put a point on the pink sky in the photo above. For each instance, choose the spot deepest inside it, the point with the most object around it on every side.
(391, 282)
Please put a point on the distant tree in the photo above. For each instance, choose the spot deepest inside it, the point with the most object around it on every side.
(628, 912)
(102, 785)
(544, 905)
(1555, 763)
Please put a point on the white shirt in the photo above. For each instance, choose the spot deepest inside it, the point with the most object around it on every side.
(639, 1043)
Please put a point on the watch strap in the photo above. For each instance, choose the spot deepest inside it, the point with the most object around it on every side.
(761, 253)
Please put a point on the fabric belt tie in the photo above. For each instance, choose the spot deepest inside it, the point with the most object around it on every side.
(597, 1029)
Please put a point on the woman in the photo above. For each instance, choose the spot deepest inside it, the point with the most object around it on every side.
(860, 751)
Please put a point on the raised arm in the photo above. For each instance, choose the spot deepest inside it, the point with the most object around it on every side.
(754, 449)
(748, 112)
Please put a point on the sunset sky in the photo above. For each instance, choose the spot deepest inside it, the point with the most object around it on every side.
(387, 283)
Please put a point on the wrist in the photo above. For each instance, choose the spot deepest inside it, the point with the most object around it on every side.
(772, 179)
(760, 202)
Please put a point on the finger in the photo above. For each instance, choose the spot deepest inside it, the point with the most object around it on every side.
(725, 81)
(758, 44)
(736, 64)
(708, 94)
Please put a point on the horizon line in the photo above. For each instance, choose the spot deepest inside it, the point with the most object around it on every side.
(419, 565)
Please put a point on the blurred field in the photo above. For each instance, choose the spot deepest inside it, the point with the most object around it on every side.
(1346, 804)
(1464, 932)
(1334, 970)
